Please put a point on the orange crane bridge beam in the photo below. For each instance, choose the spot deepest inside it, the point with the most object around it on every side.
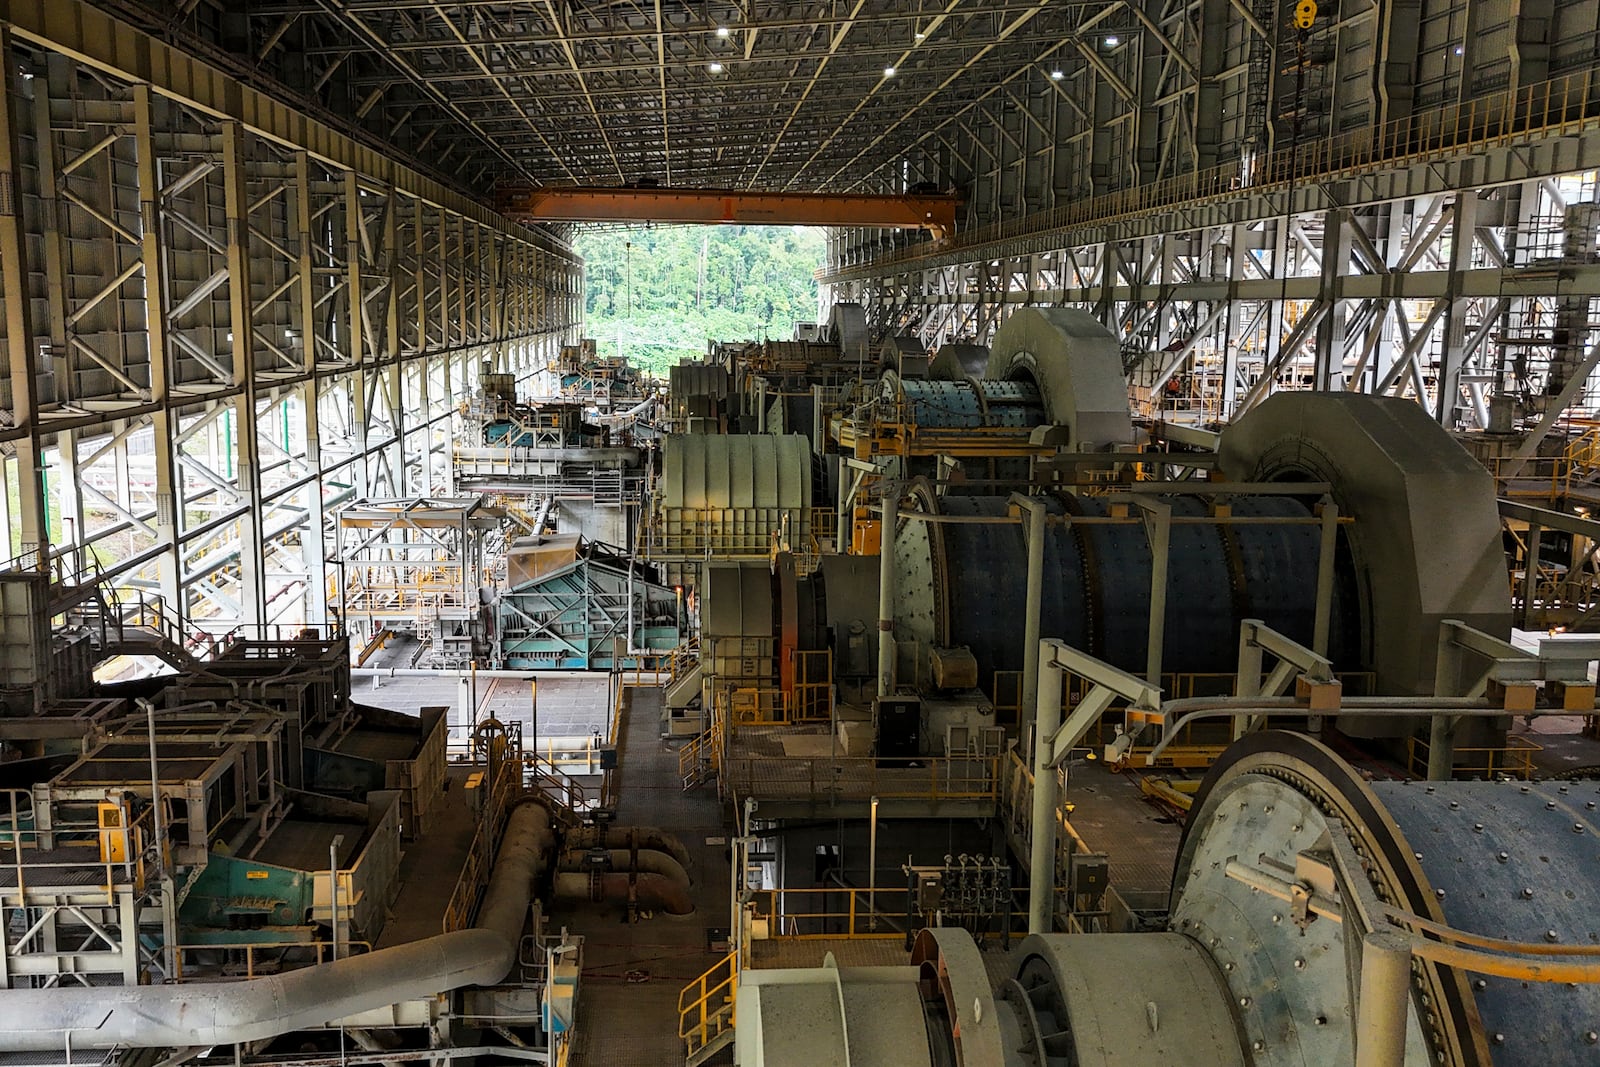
(936, 214)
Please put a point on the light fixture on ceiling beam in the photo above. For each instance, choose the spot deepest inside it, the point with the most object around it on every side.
(722, 31)
(714, 67)
(1112, 40)
(1056, 75)
(888, 72)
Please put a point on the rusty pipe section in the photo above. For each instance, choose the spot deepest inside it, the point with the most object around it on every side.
(219, 1013)
(628, 837)
(644, 861)
(655, 892)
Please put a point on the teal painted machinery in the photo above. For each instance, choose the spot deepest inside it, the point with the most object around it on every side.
(576, 605)
(236, 901)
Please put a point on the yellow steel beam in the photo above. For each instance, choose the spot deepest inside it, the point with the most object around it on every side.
(936, 214)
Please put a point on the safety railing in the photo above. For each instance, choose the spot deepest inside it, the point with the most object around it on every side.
(1544, 478)
(1583, 451)
(702, 757)
(809, 547)
(853, 778)
(85, 855)
(542, 776)
(1560, 106)
(683, 659)
(1189, 408)
(502, 782)
(1514, 759)
(757, 706)
(308, 954)
(126, 610)
(1006, 696)
(573, 754)
(726, 532)
(847, 912)
(707, 1005)
(833, 912)
(812, 700)
(608, 779)
(1084, 910)
(647, 668)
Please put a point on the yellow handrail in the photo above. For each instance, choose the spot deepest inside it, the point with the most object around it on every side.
(1584, 450)
(840, 912)
(252, 949)
(1514, 759)
(706, 1005)
(705, 749)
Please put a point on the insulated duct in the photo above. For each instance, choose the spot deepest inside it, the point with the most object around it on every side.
(221, 1013)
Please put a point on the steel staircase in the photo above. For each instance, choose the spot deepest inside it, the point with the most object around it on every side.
(143, 625)
(701, 759)
(563, 795)
(706, 1011)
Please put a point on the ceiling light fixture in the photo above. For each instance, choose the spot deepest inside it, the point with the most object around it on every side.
(920, 35)
(1113, 41)
(714, 67)
(1056, 75)
(722, 31)
(888, 72)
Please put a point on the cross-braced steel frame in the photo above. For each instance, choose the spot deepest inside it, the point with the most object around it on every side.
(223, 319)
(1400, 200)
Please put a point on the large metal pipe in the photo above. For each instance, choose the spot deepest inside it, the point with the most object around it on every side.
(1042, 857)
(644, 861)
(886, 572)
(1385, 999)
(629, 837)
(654, 892)
(525, 848)
(221, 1013)
(1034, 601)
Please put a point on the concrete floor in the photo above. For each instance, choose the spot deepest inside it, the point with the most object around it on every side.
(1563, 747)
(570, 706)
(1113, 816)
(632, 974)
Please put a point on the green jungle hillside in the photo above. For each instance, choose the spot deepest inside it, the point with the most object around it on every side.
(664, 291)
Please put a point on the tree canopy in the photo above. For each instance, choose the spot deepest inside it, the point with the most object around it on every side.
(666, 291)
